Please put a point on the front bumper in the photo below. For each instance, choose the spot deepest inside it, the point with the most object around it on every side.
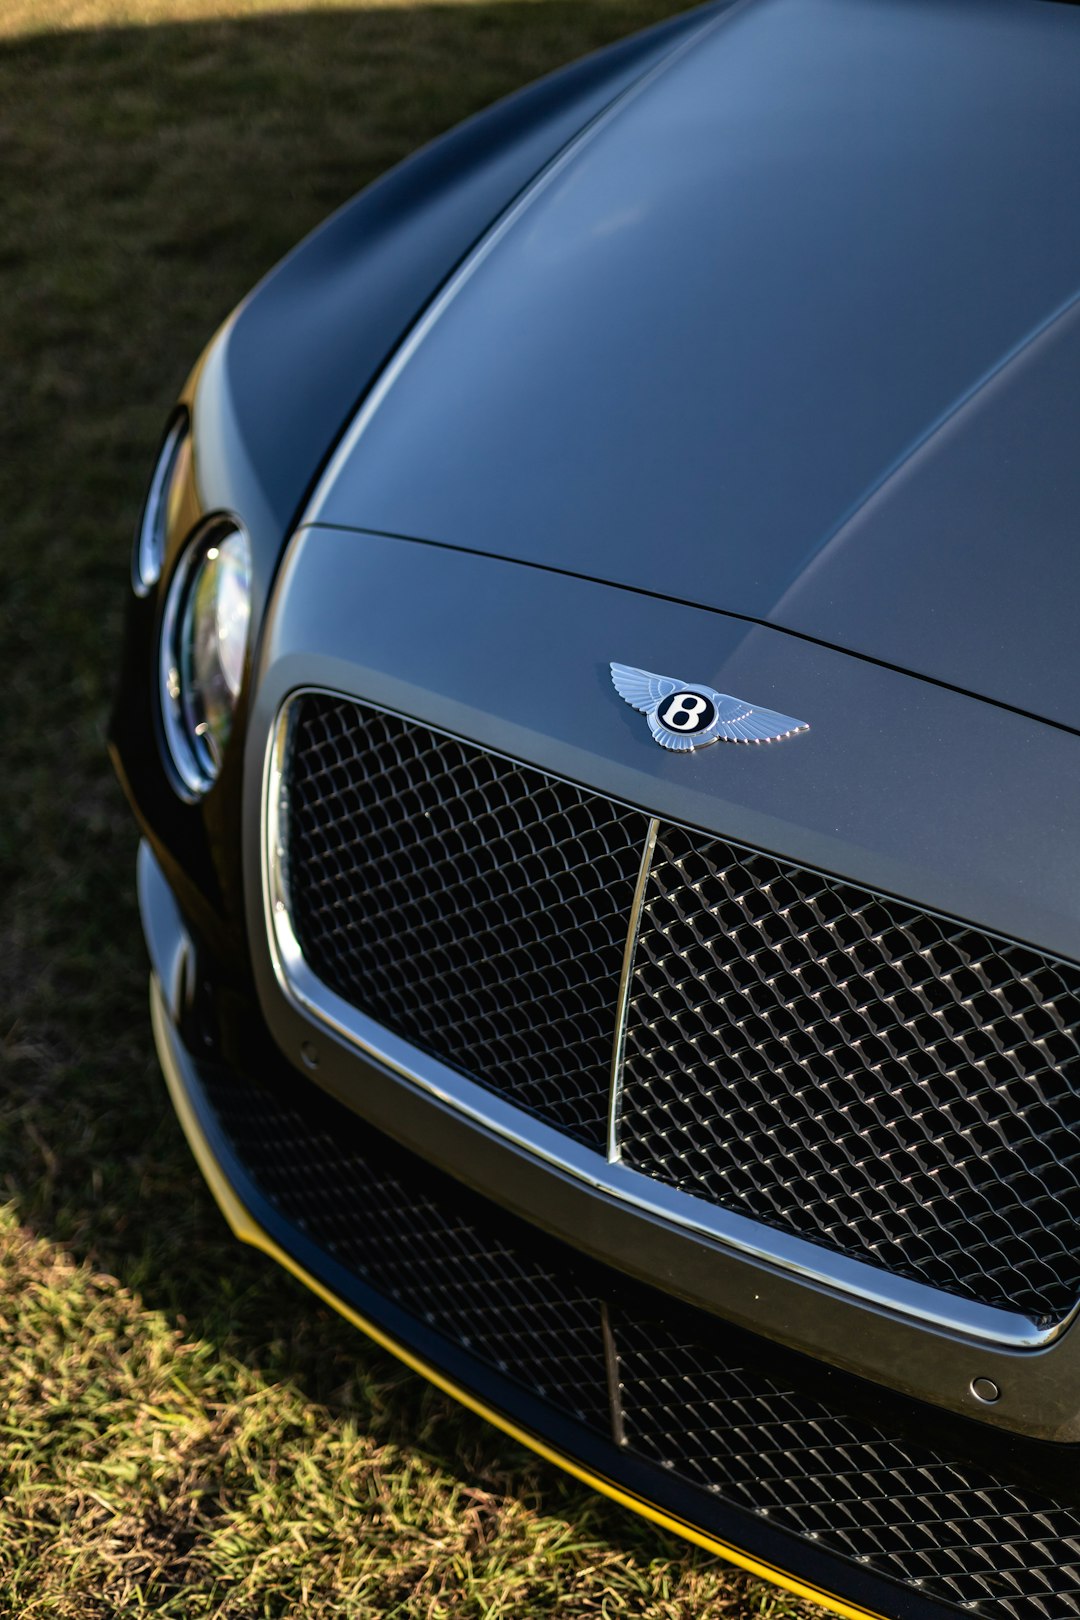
(802, 1474)
(255, 1220)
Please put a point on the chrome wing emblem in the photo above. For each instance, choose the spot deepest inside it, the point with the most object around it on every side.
(685, 717)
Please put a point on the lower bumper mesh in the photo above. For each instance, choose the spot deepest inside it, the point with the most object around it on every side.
(695, 1400)
(945, 1527)
(415, 1238)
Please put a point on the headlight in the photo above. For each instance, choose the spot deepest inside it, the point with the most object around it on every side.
(203, 645)
(154, 524)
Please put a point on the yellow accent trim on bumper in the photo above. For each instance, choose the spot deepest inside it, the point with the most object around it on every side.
(247, 1229)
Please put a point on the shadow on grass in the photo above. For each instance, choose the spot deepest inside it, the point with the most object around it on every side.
(151, 175)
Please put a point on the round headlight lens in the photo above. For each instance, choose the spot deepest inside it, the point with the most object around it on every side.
(154, 525)
(204, 642)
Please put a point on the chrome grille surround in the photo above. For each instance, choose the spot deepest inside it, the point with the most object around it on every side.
(809, 1259)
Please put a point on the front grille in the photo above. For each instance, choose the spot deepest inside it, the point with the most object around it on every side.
(896, 1086)
(695, 1400)
(476, 907)
(837, 1065)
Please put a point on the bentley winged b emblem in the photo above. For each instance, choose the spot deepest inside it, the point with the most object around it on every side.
(687, 717)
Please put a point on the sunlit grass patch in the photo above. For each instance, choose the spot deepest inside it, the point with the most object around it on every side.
(24, 17)
(149, 1468)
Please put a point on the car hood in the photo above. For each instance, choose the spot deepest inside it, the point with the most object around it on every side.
(791, 333)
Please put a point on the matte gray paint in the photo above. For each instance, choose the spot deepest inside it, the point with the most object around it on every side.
(792, 335)
(308, 340)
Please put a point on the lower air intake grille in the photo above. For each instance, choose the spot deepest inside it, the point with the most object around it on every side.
(413, 1236)
(863, 1074)
(947, 1527)
(476, 907)
(729, 1415)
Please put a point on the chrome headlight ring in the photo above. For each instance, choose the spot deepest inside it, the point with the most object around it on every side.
(202, 650)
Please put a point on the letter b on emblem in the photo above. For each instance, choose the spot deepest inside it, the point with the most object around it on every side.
(687, 712)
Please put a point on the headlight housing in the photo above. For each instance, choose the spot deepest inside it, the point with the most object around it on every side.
(150, 542)
(204, 639)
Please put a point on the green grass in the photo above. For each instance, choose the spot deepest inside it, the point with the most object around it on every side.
(182, 1429)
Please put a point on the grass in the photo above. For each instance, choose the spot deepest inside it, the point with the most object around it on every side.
(182, 1429)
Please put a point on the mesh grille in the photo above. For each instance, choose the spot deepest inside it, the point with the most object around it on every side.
(947, 1527)
(413, 1236)
(476, 907)
(893, 1085)
(844, 1067)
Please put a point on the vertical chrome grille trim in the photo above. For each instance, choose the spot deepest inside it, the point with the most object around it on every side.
(275, 850)
(618, 1051)
(614, 1379)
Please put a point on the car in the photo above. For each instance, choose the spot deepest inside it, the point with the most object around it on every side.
(601, 700)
